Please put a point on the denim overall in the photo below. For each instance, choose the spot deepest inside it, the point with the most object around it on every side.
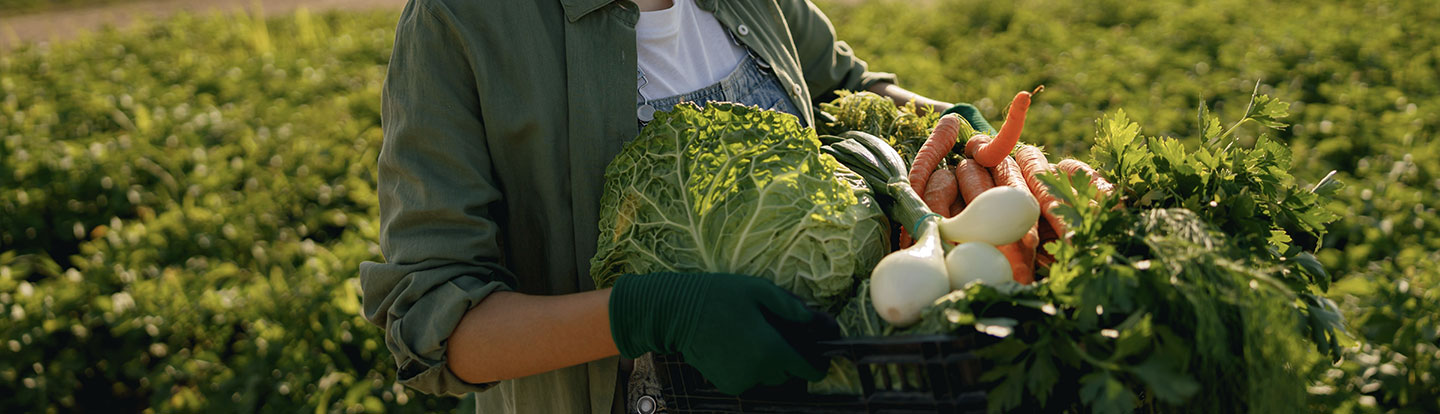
(751, 83)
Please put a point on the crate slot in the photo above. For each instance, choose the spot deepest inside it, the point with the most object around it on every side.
(916, 375)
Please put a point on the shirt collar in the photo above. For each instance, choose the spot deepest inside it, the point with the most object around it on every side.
(575, 9)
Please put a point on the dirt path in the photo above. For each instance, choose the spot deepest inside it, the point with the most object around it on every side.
(65, 24)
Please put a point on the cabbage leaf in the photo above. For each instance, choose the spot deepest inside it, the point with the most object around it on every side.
(737, 189)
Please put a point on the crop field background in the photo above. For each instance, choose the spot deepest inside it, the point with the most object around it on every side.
(17, 7)
(184, 203)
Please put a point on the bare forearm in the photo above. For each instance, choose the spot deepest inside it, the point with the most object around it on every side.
(511, 335)
(902, 96)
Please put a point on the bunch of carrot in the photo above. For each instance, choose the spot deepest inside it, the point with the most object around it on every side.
(986, 163)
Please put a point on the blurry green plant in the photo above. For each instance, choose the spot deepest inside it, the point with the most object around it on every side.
(183, 207)
(1395, 307)
(17, 7)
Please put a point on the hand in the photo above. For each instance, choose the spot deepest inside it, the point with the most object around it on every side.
(738, 331)
(971, 115)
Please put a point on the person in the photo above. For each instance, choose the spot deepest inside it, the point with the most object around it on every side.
(499, 119)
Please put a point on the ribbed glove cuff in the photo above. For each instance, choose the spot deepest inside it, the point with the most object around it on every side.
(654, 312)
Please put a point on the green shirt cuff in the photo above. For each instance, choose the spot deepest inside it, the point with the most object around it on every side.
(437, 380)
(418, 337)
(419, 307)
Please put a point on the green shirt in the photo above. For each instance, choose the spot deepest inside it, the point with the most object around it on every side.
(499, 119)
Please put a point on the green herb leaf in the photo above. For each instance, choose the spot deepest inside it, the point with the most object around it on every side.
(1170, 383)
(1105, 394)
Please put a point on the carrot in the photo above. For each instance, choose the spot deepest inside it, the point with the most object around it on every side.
(1073, 167)
(1008, 173)
(940, 192)
(905, 240)
(942, 139)
(1020, 254)
(958, 205)
(994, 153)
(972, 179)
(973, 145)
(1022, 261)
(1033, 163)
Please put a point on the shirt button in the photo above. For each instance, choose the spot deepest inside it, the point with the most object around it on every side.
(795, 89)
(743, 30)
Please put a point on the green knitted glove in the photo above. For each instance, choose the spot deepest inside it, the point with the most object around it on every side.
(972, 115)
(738, 331)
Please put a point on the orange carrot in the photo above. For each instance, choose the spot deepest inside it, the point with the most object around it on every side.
(1008, 173)
(942, 139)
(1053, 218)
(972, 179)
(1022, 261)
(994, 153)
(1021, 254)
(973, 145)
(958, 205)
(1073, 167)
(940, 192)
(1028, 245)
(1032, 164)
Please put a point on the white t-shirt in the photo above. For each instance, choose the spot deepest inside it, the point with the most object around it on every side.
(682, 49)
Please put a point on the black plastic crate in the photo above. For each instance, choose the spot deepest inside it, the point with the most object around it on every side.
(899, 375)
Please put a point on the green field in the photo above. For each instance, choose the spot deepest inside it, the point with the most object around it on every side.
(18, 7)
(184, 204)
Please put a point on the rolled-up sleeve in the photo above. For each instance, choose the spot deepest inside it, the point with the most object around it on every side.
(436, 193)
(829, 64)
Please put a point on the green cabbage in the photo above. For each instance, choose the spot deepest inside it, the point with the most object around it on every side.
(736, 189)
